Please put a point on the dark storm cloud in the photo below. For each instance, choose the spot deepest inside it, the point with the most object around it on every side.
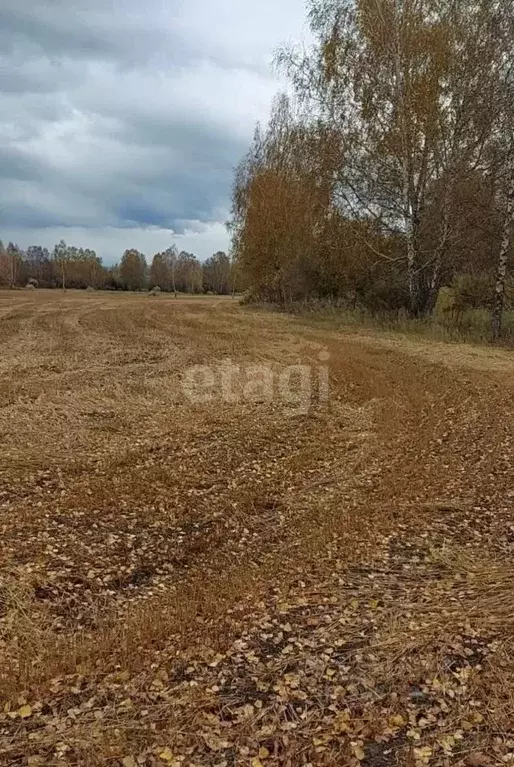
(120, 114)
(94, 29)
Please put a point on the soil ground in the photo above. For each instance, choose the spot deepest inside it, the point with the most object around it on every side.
(243, 580)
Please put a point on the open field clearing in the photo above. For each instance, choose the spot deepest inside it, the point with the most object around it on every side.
(250, 579)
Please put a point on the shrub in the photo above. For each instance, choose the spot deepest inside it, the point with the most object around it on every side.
(249, 297)
(474, 290)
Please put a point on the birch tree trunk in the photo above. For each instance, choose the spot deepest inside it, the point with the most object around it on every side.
(442, 247)
(410, 214)
(173, 278)
(501, 272)
(12, 274)
(412, 265)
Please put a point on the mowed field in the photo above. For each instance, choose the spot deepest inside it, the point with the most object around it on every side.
(234, 579)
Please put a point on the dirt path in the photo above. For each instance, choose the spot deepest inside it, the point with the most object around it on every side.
(250, 582)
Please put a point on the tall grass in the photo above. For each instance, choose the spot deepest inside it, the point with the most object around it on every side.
(471, 326)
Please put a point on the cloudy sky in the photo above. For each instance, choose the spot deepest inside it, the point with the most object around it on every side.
(121, 120)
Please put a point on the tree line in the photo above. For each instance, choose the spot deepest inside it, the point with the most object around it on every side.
(80, 268)
(389, 172)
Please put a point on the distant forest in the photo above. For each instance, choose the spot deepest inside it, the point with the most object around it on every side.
(387, 173)
(70, 267)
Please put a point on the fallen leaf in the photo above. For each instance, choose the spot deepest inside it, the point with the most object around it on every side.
(215, 743)
(478, 760)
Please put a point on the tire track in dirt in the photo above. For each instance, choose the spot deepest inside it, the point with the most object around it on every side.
(326, 565)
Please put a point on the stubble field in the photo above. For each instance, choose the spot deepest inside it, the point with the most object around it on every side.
(240, 580)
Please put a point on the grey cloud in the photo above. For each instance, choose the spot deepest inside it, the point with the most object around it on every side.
(83, 30)
(129, 116)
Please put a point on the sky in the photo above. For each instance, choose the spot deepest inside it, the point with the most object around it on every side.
(121, 121)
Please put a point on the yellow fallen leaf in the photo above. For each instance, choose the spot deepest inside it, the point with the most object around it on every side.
(256, 762)
(24, 712)
(215, 743)
(263, 752)
(359, 753)
(397, 720)
(423, 754)
(166, 755)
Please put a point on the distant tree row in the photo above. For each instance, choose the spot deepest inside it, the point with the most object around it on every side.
(80, 268)
(390, 173)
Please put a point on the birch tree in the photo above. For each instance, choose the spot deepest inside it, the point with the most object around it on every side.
(505, 38)
(170, 256)
(159, 272)
(412, 86)
(505, 247)
(133, 270)
(61, 257)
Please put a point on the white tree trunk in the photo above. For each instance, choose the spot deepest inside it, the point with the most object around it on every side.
(501, 272)
(409, 214)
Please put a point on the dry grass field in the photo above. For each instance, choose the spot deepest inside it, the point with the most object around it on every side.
(241, 581)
